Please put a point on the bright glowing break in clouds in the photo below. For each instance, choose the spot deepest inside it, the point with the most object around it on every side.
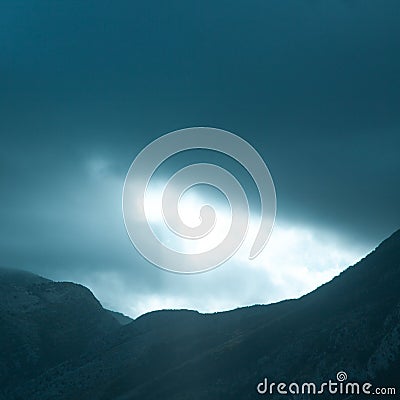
(296, 260)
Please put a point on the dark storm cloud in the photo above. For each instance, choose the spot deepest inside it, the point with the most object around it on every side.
(314, 86)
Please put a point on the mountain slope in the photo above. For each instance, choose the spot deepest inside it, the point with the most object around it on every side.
(351, 323)
(43, 323)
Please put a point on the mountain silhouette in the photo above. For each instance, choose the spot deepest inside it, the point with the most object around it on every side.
(57, 342)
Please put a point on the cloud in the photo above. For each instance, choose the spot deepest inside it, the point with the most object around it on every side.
(79, 236)
(313, 87)
(296, 260)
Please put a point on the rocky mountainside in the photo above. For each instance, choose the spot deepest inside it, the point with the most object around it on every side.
(69, 348)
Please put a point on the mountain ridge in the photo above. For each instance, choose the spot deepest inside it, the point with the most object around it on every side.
(351, 323)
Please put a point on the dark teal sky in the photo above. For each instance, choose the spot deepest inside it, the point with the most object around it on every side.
(84, 85)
